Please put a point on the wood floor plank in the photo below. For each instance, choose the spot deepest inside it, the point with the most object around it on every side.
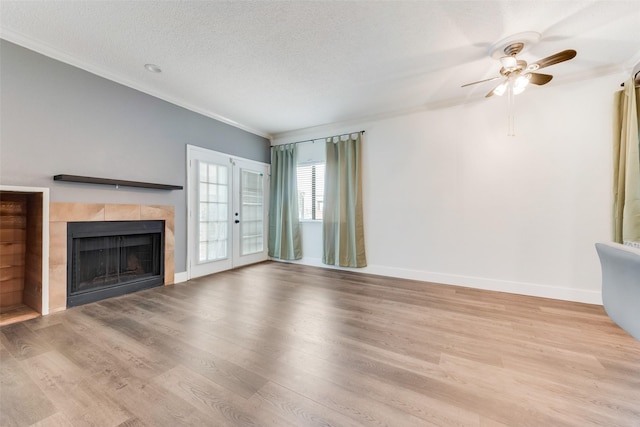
(279, 345)
(542, 391)
(133, 356)
(224, 407)
(22, 403)
(148, 402)
(296, 369)
(205, 363)
(44, 321)
(299, 409)
(133, 422)
(432, 407)
(21, 342)
(79, 350)
(362, 410)
(58, 419)
(64, 384)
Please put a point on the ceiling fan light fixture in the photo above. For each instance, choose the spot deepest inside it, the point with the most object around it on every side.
(521, 83)
(518, 91)
(501, 89)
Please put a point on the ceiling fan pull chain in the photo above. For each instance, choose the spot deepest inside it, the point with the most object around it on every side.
(511, 111)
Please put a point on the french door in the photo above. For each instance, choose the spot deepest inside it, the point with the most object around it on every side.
(228, 207)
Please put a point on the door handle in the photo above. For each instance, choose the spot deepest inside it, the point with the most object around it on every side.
(237, 221)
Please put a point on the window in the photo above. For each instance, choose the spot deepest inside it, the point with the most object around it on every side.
(311, 164)
(310, 190)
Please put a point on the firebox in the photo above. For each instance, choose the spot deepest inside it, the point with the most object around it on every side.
(111, 258)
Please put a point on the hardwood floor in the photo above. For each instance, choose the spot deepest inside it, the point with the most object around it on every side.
(287, 345)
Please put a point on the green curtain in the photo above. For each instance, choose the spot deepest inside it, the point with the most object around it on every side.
(284, 227)
(343, 228)
(626, 168)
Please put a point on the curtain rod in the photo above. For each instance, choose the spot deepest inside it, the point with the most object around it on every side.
(636, 79)
(327, 137)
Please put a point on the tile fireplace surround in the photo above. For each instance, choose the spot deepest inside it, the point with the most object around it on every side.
(61, 213)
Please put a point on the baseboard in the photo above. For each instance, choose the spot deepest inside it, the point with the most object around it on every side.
(180, 277)
(522, 288)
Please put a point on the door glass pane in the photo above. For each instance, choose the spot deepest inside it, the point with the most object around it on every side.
(252, 206)
(213, 207)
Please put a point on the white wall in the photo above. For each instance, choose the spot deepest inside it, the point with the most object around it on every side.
(449, 198)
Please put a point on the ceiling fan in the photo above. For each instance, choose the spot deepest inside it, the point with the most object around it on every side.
(515, 72)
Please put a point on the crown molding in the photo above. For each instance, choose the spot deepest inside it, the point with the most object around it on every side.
(67, 58)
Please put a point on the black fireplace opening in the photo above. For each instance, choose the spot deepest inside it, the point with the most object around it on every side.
(111, 258)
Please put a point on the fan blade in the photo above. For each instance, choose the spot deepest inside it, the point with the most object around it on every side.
(540, 79)
(565, 55)
(481, 81)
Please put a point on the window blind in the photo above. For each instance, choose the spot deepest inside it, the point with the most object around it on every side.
(310, 190)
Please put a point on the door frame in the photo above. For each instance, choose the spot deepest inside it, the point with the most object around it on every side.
(191, 220)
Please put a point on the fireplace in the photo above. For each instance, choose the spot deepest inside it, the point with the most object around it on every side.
(111, 258)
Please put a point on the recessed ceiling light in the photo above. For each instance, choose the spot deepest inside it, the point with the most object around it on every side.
(153, 68)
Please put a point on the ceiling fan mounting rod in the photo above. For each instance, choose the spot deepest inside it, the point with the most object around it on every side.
(514, 48)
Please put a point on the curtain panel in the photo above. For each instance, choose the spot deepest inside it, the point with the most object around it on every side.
(343, 225)
(284, 227)
(626, 168)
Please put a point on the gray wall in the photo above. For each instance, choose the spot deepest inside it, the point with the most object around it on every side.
(58, 119)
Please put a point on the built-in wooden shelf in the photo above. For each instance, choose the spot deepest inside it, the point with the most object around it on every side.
(17, 314)
(116, 182)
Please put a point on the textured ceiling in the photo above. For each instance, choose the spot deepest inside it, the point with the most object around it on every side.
(272, 67)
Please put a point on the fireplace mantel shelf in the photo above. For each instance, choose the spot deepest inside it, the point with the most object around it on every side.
(116, 182)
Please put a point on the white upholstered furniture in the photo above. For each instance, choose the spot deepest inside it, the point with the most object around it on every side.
(621, 285)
